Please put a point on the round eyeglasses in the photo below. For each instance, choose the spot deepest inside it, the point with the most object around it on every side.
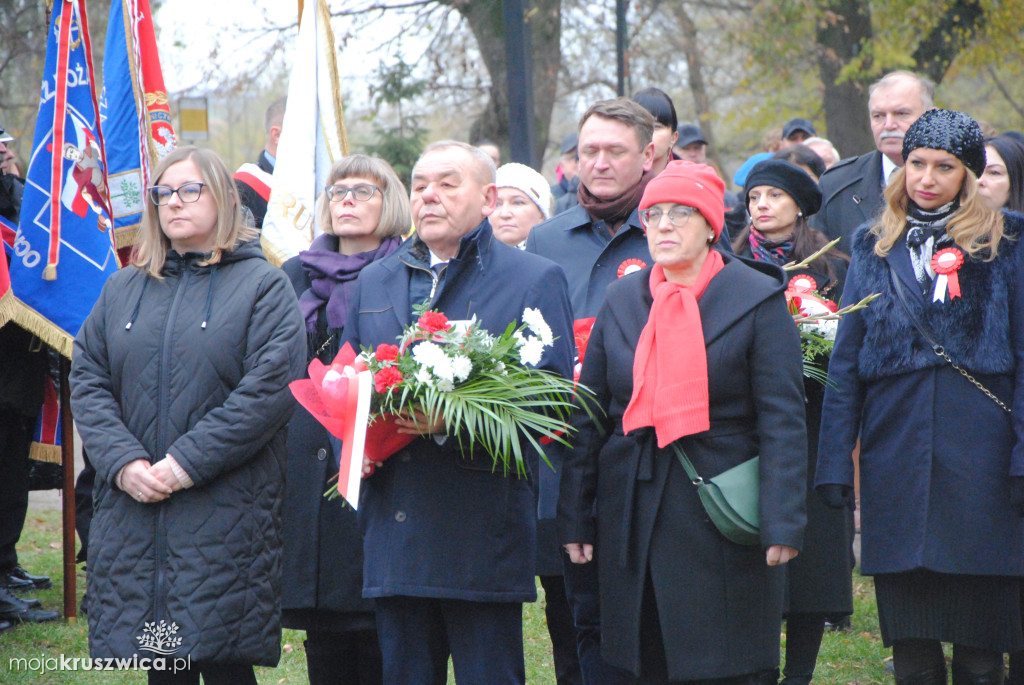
(361, 192)
(677, 216)
(187, 192)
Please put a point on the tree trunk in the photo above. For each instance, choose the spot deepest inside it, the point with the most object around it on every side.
(485, 21)
(949, 38)
(845, 26)
(687, 41)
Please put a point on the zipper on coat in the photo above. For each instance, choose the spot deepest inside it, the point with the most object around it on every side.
(160, 541)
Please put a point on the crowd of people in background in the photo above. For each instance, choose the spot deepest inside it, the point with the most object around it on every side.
(206, 500)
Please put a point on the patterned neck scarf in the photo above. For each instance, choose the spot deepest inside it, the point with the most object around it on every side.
(925, 229)
(767, 250)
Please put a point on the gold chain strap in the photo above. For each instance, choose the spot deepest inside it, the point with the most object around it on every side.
(939, 350)
(324, 346)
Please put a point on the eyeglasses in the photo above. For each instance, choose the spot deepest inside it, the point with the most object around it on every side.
(677, 216)
(187, 192)
(361, 192)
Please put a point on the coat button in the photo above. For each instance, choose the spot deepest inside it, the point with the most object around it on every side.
(321, 454)
(405, 456)
(400, 516)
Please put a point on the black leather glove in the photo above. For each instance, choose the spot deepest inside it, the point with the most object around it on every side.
(836, 496)
(1017, 494)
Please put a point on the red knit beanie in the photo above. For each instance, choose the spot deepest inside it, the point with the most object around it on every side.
(691, 184)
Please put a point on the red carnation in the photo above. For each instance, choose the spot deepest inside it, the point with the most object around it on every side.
(432, 322)
(387, 377)
(386, 353)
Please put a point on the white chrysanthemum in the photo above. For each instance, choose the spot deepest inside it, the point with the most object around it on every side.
(445, 385)
(500, 368)
(518, 335)
(463, 366)
(443, 369)
(828, 328)
(531, 352)
(535, 320)
(424, 378)
(427, 354)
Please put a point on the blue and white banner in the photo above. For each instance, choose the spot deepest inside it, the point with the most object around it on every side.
(134, 113)
(64, 249)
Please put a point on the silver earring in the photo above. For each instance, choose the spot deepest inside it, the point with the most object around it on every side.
(799, 213)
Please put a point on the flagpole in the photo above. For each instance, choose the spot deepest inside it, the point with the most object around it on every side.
(67, 448)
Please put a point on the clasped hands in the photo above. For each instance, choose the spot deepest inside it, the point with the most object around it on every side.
(149, 483)
(776, 555)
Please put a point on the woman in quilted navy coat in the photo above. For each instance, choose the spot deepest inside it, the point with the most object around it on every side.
(364, 210)
(180, 390)
(941, 460)
(698, 350)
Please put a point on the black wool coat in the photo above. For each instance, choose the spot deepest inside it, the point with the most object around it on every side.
(323, 547)
(719, 602)
(208, 559)
(820, 580)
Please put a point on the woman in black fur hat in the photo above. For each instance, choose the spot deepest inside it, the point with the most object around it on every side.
(926, 376)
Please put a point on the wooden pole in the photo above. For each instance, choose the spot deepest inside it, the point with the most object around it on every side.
(300, 13)
(67, 447)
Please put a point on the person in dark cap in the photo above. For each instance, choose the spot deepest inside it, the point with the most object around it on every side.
(796, 131)
(781, 197)
(690, 145)
(568, 168)
(926, 377)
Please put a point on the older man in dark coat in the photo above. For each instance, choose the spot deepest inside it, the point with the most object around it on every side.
(852, 188)
(450, 542)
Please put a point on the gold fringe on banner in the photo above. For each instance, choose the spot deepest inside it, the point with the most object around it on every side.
(45, 453)
(7, 307)
(327, 42)
(126, 236)
(274, 255)
(43, 328)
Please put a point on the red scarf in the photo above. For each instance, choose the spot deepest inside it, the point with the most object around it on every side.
(670, 369)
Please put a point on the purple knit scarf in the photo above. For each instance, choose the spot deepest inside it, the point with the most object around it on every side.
(332, 276)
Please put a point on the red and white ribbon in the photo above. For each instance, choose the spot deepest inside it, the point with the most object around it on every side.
(353, 387)
(945, 264)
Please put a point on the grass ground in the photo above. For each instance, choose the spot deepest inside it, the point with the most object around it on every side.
(846, 658)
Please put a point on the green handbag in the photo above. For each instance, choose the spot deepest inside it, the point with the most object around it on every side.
(731, 498)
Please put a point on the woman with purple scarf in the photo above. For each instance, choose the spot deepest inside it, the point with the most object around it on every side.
(364, 210)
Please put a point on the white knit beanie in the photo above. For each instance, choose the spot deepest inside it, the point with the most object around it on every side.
(527, 181)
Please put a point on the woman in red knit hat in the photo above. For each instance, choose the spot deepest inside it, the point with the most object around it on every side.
(697, 352)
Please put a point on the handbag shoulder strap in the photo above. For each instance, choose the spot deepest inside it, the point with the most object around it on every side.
(936, 347)
(902, 294)
(687, 465)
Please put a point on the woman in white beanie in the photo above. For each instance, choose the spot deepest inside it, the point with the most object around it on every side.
(524, 200)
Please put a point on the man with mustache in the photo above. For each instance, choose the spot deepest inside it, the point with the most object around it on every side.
(852, 188)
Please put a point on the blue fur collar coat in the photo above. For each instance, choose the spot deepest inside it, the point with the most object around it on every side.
(936, 453)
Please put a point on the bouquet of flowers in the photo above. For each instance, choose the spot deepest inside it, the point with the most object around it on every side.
(816, 317)
(485, 387)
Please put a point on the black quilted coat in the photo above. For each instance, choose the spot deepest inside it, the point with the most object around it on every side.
(195, 365)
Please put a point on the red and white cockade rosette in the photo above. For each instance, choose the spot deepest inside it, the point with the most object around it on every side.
(945, 263)
(338, 396)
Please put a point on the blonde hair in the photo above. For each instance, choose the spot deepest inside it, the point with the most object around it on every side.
(150, 251)
(395, 212)
(974, 227)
